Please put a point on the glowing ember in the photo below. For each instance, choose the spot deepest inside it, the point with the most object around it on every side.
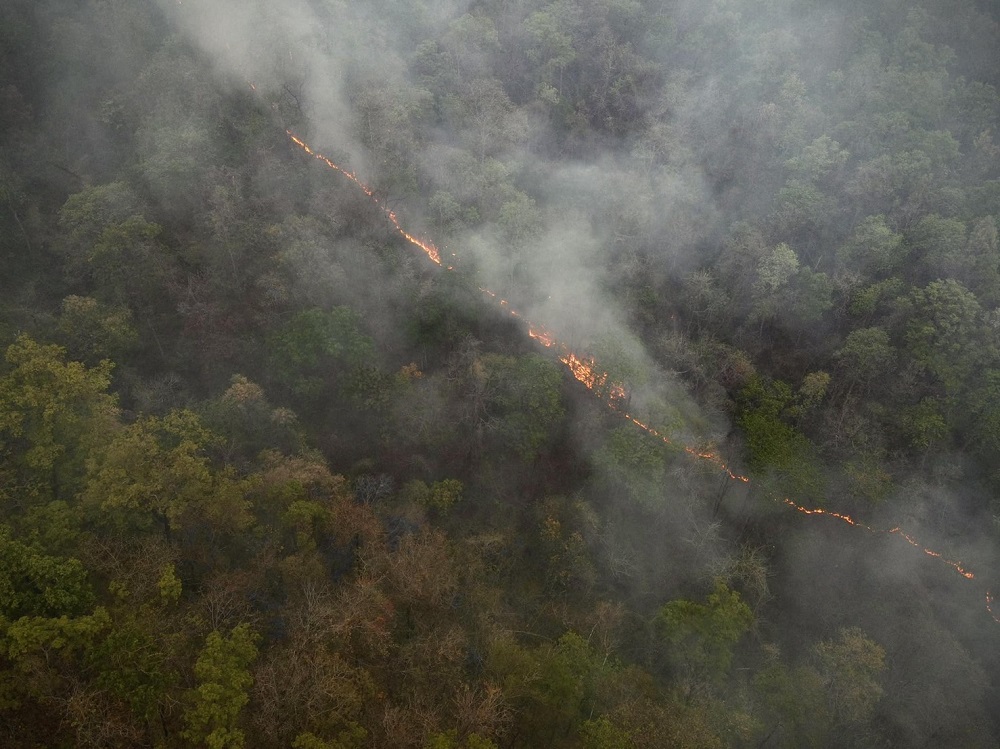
(989, 607)
(583, 369)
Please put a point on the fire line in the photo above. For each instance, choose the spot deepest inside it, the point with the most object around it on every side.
(583, 369)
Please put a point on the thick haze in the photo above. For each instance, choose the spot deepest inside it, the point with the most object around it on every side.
(564, 223)
(569, 220)
(556, 261)
(269, 428)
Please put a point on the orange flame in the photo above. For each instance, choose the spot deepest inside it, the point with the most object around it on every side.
(583, 369)
(957, 566)
(989, 607)
(428, 247)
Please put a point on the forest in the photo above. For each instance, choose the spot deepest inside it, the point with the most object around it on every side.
(499, 374)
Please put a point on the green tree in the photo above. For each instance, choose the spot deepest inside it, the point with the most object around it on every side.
(471, 41)
(794, 708)
(774, 444)
(811, 297)
(523, 404)
(944, 335)
(86, 214)
(42, 655)
(53, 415)
(851, 666)
(775, 271)
(554, 687)
(158, 471)
(801, 208)
(93, 331)
(247, 420)
(819, 158)
(942, 244)
(866, 355)
(177, 153)
(636, 461)
(701, 636)
(981, 269)
(213, 707)
(601, 733)
(873, 248)
(36, 584)
(134, 668)
(315, 344)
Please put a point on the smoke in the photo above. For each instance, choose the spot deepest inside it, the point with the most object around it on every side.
(300, 52)
(557, 220)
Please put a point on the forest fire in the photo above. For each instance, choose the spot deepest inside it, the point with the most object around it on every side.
(957, 566)
(428, 248)
(583, 369)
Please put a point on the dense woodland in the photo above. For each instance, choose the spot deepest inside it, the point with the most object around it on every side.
(270, 478)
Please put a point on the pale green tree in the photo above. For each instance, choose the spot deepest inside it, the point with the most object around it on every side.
(223, 674)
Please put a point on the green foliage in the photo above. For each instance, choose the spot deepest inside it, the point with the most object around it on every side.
(169, 585)
(869, 478)
(942, 242)
(945, 334)
(637, 461)
(775, 445)
(603, 734)
(564, 528)
(801, 206)
(93, 332)
(315, 344)
(794, 703)
(35, 584)
(701, 636)
(33, 637)
(983, 409)
(555, 686)
(132, 666)
(177, 152)
(445, 494)
(924, 424)
(450, 740)
(782, 289)
(523, 395)
(53, 413)
(128, 263)
(223, 675)
(247, 420)
(851, 667)
(352, 738)
(813, 388)
(818, 158)
(440, 496)
(158, 470)
(866, 354)
(87, 213)
(811, 298)
(775, 270)
(873, 247)
(866, 301)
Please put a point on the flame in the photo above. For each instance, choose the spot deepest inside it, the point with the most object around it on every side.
(428, 248)
(583, 369)
(957, 566)
(543, 337)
